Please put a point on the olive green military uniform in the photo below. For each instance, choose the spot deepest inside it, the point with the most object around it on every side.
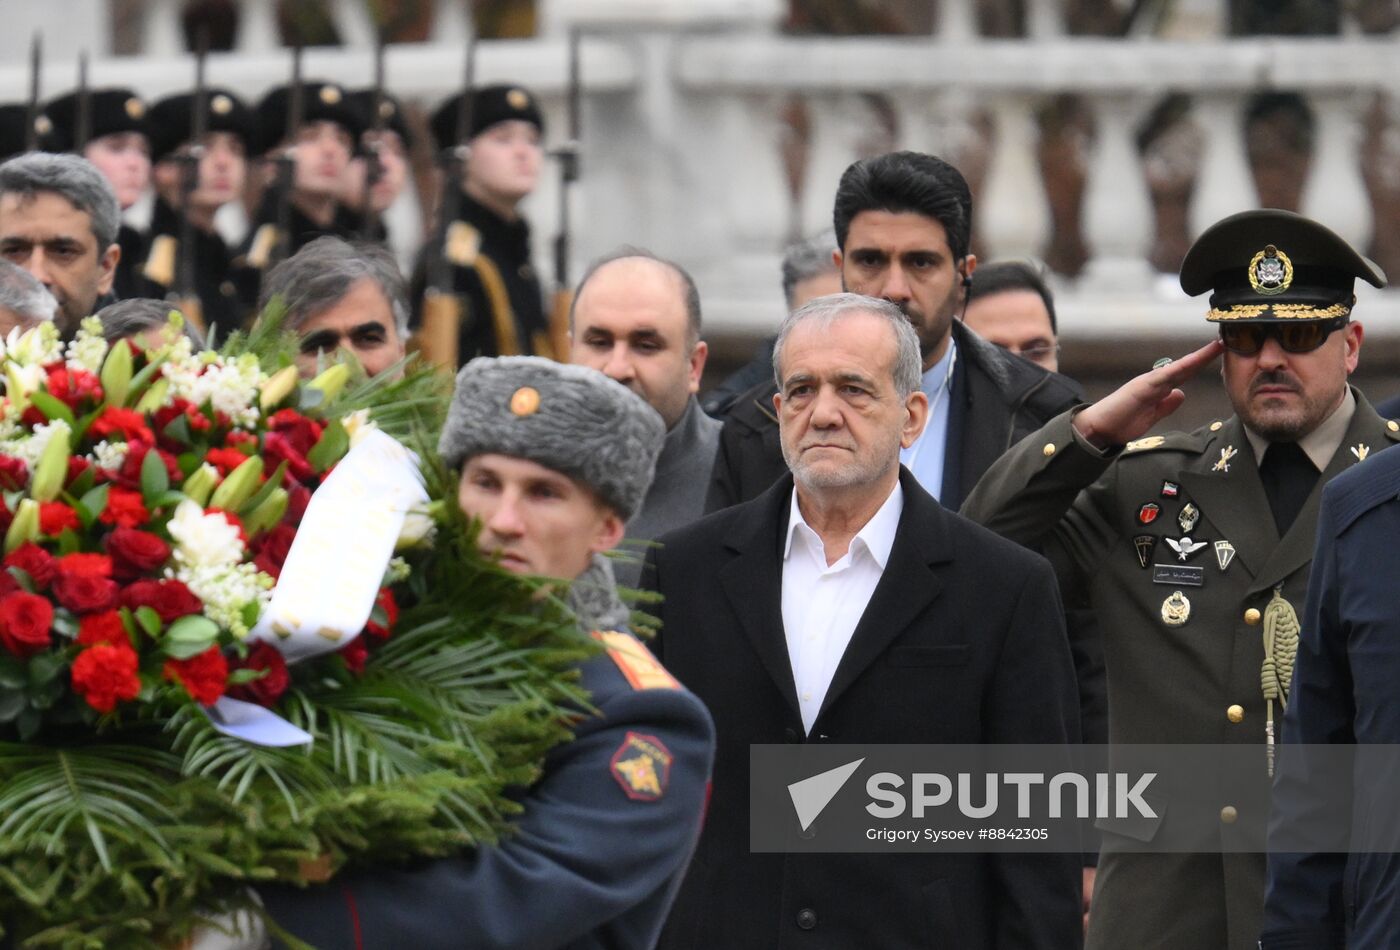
(1107, 520)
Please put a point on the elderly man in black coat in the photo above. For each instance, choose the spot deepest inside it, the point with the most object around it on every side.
(845, 605)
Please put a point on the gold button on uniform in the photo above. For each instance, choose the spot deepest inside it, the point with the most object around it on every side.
(1049, 449)
(1228, 814)
(1252, 615)
(1235, 713)
(1393, 426)
(1216, 426)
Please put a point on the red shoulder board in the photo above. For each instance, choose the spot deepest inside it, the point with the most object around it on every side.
(636, 662)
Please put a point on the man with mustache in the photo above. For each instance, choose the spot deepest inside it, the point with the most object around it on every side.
(1185, 540)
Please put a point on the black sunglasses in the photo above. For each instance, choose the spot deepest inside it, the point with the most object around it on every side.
(1302, 336)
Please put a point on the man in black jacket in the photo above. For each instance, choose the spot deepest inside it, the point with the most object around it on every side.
(903, 231)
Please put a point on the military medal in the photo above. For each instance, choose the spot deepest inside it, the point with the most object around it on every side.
(1185, 548)
(1188, 517)
(1145, 544)
(1361, 450)
(1148, 513)
(1170, 489)
(1224, 553)
(1176, 609)
(1223, 464)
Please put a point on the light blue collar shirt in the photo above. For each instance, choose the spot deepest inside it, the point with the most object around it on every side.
(925, 457)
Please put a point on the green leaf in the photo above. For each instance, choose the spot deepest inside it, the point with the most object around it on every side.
(149, 620)
(69, 542)
(190, 636)
(44, 668)
(271, 484)
(335, 442)
(53, 408)
(23, 579)
(141, 379)
(167, 499)
(12, 673)
(240, 677)
(12, 703)
(83, 482)
(178, 429)
(92, 504)
(154, 478)
(66, 624)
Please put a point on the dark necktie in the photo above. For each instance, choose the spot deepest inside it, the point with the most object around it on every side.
(1288, 476)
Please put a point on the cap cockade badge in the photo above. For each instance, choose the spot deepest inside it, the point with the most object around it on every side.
(525, 401)
(1270, 271)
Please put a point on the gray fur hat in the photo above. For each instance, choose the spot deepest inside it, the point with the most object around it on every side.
(568, 418)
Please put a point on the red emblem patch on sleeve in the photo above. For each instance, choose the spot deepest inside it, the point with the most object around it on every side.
(642, 766)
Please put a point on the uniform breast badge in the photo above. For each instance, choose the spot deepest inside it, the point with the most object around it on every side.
(1224, 553)
(1170, 489)
(1176, 609)
(1361, 450)
(1188, 518)
(1148, 513)
(1145, 544)
(1223, 463)
(642, 766)
(1185, 548)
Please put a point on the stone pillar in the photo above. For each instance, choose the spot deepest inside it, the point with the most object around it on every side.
(1013, 218)
(1118, 210)
(1335, 192)
(1226, 184)
(257, 27)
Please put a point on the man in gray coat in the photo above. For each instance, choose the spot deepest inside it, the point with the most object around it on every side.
(636, 318)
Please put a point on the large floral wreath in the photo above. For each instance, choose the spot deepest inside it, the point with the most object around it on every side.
(158, 751)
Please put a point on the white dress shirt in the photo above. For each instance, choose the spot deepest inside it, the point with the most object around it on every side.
(821, 604)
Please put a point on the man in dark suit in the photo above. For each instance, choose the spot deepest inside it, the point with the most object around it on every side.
(1343, 693)
(845, 605)
(903, 231)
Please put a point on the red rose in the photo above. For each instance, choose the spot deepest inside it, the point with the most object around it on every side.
(130, 474)
(238, 437)
(171, 599)
(14, 473)
(98, 564)
(106, 673)
(55, 517)
(124, 508)
(277, 448)
(302, 433)
(298, 497)
(8, 584)
(269, 688)
(271, 547)
(197, 421)
(34, 561)
(106, 627)
(225, 460)
(25, 622)
(73, 386)
(85, 593)
(391, 611)
(204, 675)
(135, 553)
(355, 653)
(129, 423)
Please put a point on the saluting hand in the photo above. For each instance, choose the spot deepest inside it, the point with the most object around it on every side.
(1139, 404)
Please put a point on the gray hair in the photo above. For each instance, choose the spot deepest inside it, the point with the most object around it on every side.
(688, 288)
(128, 318)
(72, 177)
(808, 258)
(22, 293)
(824, 311)
(315, 278)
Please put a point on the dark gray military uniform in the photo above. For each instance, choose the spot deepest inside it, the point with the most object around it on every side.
(592, 863)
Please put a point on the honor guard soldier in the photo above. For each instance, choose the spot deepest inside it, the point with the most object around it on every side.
(488, 242)
(117, 140)
(1196, 546)
(321, 145)
(553, 460)
(222, 171)
(364, 202)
